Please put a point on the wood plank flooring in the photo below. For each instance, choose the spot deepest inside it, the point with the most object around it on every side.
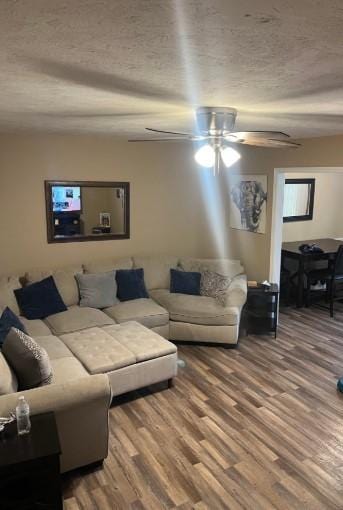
(259, 427)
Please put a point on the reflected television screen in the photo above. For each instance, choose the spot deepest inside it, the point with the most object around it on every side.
(66, 198)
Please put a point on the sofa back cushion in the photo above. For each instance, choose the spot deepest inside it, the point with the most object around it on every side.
(7, 298)
(156, 270)
(225, 267)
(106, 265)
(64, 279)
(8, 380)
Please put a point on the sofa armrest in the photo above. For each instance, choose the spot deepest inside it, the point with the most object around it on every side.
(237, 291)
(81, 411)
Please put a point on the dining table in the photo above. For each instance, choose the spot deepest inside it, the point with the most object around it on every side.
(290, 250)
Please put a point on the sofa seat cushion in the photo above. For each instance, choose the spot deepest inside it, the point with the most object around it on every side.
(67, 369)
(142, 342)
(196, 309)
(35, 327)
(55, 348)
(76, 318)
(98, 351)
(144, 310)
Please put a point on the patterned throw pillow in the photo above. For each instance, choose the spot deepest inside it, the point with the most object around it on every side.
(214, 285)
(29, 361)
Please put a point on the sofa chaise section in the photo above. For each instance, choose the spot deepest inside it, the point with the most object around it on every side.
(199, 318)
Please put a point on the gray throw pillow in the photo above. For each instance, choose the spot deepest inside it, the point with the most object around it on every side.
(214, 285)
(29, 361)
(97, 290)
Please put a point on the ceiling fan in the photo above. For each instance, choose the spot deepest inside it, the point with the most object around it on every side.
(214, 132)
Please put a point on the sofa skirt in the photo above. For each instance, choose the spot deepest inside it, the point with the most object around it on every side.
(184, 331)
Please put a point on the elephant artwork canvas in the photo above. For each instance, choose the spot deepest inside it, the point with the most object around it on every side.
(248, 202)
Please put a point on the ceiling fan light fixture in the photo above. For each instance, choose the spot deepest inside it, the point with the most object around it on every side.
(229, 156)
(205, 156)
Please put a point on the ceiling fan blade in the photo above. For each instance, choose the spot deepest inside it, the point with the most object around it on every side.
(160, 139)
(168, 132)
(271, 143)
(257, 135)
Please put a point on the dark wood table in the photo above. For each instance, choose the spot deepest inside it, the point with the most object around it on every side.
(30, 466)
(291, 250)
(260, 309)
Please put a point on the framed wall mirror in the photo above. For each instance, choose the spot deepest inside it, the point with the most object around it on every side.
(87, 211)
(298, 200)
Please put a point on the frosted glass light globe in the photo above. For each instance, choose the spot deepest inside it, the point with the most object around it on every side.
(205, 156)
(229, 156)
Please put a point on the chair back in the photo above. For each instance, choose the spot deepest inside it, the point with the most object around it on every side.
(338, 267)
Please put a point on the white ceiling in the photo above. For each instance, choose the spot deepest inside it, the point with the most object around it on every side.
(116, 66)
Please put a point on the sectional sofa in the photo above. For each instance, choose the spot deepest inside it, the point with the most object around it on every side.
(97, 354)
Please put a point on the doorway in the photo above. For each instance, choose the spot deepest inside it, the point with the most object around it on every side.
(278, 207)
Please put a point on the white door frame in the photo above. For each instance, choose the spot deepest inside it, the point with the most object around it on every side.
(277, 209)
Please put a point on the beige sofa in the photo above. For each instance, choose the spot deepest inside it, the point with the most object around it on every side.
(177, 317)
(85, 343)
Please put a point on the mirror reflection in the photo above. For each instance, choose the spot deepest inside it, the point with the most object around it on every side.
(87, 211)
(298, 199)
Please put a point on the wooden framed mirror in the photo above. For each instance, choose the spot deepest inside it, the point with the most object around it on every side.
(298, 200)
(87, 211)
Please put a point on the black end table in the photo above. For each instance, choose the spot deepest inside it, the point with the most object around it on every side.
(261, 309)
(30, 466)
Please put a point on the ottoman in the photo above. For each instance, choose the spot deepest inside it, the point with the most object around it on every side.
(130, 354)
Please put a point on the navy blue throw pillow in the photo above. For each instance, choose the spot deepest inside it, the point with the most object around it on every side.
(185, 282)
(9, 320)
(40, 299)
(130, 284)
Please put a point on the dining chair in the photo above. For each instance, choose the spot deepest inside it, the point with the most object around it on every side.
(331, 276)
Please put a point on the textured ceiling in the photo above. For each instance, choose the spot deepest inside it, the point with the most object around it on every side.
(116, 66)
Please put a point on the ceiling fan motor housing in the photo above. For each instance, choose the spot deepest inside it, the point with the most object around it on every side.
(215, 121)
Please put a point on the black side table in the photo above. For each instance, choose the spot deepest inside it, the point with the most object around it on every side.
(30, 466)
(260, 310)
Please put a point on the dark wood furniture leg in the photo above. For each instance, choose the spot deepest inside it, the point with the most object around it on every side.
(300, 290)
(170, 383)
(332, 295)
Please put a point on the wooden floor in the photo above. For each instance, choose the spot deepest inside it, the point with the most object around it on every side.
(259, 427)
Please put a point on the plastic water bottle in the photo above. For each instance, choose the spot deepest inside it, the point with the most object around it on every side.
(22, 412)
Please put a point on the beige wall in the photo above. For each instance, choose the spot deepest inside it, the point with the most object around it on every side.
(176, 207)
(166, 203)
(327, 212)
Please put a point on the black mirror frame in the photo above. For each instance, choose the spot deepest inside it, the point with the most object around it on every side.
(304, 217)
(81, 238)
